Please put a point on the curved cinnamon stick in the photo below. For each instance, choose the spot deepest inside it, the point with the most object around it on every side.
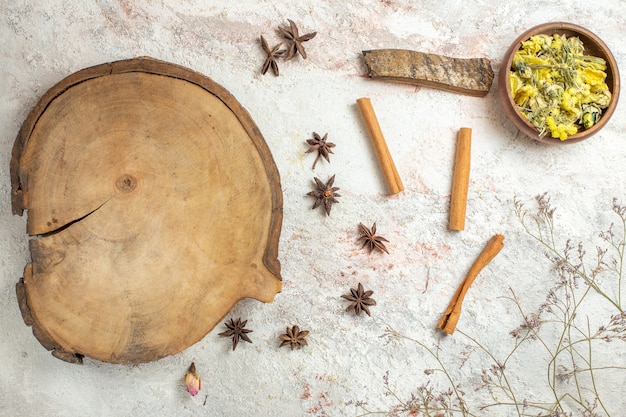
(453, 312)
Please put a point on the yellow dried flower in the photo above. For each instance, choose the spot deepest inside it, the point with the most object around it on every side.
(560, 130)
(525, 93)
(557, 42)
(570, 102)
(536, 43)
(593, 76)
(515, 82)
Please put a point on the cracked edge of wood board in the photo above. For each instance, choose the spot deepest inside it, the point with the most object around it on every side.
(41, 335)
(468, 76)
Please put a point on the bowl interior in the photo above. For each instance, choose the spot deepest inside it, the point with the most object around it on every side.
(593, 45)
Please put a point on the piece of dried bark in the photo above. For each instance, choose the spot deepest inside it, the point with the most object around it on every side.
(472, 76)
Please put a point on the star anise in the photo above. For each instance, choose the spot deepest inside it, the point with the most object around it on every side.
(272, 56)
(322, 147)
(292, 35)
(236, 330)
(361, 300)
(371, 240)
(324, 194)
(294, 337)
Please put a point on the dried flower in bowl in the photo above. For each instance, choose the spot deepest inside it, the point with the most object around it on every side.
(557, 87)
(559, 83)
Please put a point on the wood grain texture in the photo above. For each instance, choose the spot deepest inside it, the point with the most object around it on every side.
(156, 204)
(471, 77)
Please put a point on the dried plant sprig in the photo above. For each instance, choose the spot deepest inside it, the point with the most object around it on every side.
(575, 378)
(442, 398)
(539, 224)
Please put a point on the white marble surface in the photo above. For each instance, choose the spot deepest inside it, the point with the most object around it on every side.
(347, 357)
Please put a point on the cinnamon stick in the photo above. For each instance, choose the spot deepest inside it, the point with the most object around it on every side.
(451, 316)
(460, 179)
(394, 183)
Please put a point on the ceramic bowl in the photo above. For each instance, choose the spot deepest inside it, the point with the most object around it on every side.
(593, 45)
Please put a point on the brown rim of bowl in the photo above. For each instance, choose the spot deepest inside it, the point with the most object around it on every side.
(593, 46)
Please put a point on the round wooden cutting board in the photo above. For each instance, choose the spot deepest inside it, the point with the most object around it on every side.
(154, 205)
